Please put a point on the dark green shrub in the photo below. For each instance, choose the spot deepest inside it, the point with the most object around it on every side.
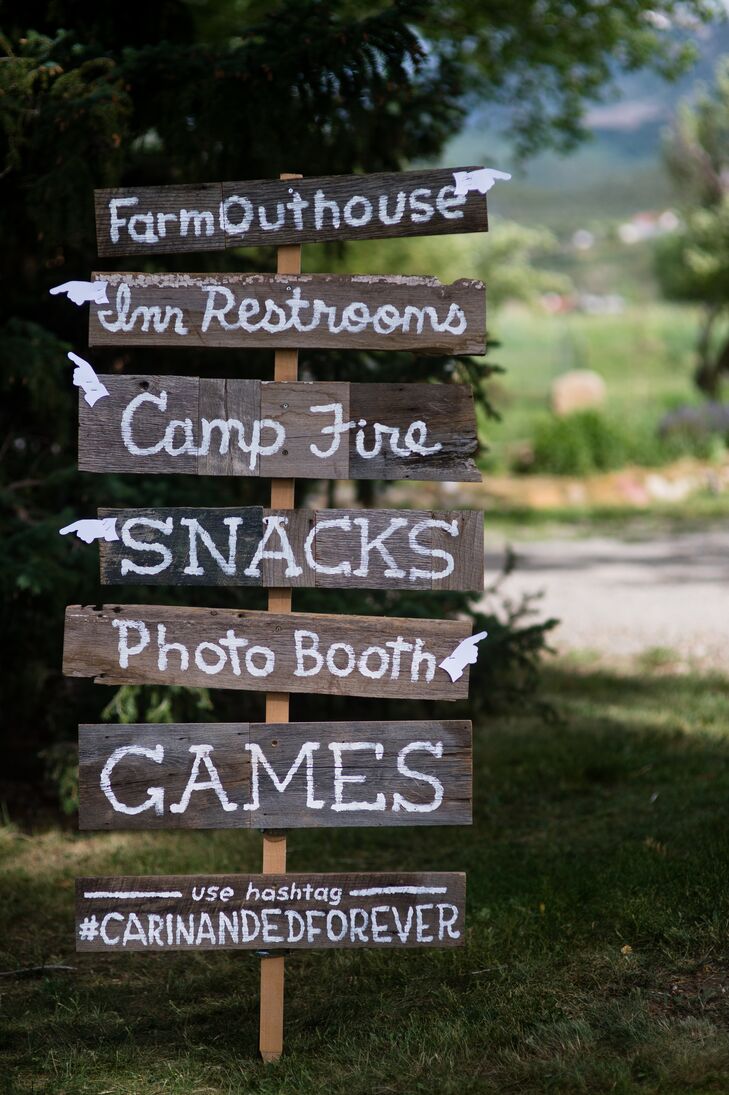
(579, 444)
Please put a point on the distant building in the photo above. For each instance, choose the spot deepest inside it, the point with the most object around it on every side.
(647, 226)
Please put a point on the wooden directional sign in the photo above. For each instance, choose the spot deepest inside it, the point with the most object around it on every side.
(201, 426)
(298, 652)
(329, 549)
(213, 216)
(280, 776)
(298, 310)
(290, 911)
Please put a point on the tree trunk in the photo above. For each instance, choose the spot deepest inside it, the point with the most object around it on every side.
(710, 366)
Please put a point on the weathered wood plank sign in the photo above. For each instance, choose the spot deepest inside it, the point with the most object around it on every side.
(277, 775)
(329, 549)
(295, 911)
(213, 216)
(300, 652)
(264, 775)
(323, 311)
(204, 426)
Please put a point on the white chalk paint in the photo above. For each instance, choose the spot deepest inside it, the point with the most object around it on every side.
(155, 801)
(370, 553)
(89, 529)
(201, 754)
(237, 215)
(85, 378)
(375, 891)
(131, 895)
(481, 180)
(223, 310)
(83, 292)
(183, 437)
(423, 923)
(318, 771)
(466, 653)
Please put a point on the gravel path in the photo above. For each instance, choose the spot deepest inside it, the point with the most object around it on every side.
(620, 598)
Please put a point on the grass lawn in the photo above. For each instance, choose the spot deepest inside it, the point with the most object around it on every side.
(597, 956)
(645, 357)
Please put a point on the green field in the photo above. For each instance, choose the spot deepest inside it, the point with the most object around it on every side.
(597, 957)
(645, 357)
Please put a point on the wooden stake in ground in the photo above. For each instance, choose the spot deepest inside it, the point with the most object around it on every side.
(270, 1041)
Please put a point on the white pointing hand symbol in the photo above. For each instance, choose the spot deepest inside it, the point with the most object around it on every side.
(83, 292)
(85, 378)
(466, 653)
(89, 529)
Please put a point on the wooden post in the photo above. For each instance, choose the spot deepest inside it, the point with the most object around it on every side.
(286, 367)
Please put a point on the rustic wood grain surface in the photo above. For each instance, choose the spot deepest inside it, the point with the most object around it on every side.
(216, 775)
(329, 549)
(260, 651)
(156, 425)
(319, 311)
(189, 218)
(297, 911)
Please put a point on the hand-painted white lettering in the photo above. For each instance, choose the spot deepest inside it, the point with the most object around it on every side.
(323, 206)
(259, 760)
(307, 653)
(124, 650)
(223, 310)
(335, 428)
(211, 668)
(421, 928)
(146, 315)
(146, 233)
(196, 531)
(115, 221)
(163, 649)
(274, 524)
(373, 662)
(451, 527)
(238, 214)
(424, 922)
(345, 567)
(421, 655)
(248, 437)
(380, 668)
(156, 794)
(358, 211)
(401, 803)
(201, 754)
(337, 654)
(380, 933)
(397, 214)
(162, 219)
(421, 209)
(340, 779)
(225, 427)
(210, 658)
(449, 199)
(377, 543)
(103, 930)
(202, 222)
(236, 228)
(128, 566)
